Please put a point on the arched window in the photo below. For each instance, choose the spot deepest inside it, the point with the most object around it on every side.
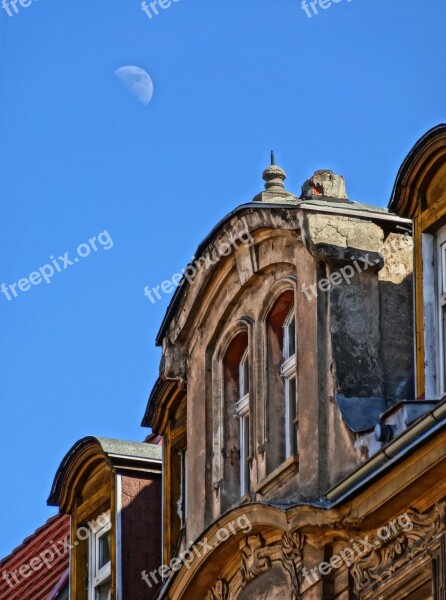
(281, 395)
(242, 413)
(236, 425)
(288, 372)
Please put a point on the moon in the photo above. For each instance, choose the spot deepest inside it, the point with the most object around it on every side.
(137, 81)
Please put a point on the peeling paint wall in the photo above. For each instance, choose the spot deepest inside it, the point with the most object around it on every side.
(354, 337)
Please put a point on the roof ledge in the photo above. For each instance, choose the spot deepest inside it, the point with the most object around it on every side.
(88, 453)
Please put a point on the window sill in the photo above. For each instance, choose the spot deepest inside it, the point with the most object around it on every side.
(273, 481)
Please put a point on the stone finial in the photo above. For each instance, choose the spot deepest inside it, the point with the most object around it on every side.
(274, 177)
(324, 184)
(275, 191)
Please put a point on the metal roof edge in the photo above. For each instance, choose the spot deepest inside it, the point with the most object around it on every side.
(110, 448)
(302, 204)
(410, 157)
(416, 435)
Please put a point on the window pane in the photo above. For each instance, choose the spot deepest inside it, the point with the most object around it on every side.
(443, 350)
(182, 500)
(246, 376)
(103, 592)
(290, 412)
(104, 549)
(443, 268)
(246, 453)
(291, 337)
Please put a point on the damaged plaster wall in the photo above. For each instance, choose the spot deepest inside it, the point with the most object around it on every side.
(396, 315)
(370, 312)
(350, 339)
(368, 319)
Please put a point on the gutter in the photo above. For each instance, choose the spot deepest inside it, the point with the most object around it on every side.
(374, 216)
(431, 423)
(427, 426)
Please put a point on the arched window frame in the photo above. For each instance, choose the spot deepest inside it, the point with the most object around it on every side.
(242, 413)
(222, 411)
(288, 372)
(271, 390)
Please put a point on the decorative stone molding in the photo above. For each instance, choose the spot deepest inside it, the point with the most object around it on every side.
(400, 548)
(220, 591)
(292, 550)
(258, 558)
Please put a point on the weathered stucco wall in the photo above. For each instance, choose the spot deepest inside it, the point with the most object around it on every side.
(344, 344)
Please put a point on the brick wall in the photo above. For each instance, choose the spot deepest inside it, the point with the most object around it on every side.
(141, 535)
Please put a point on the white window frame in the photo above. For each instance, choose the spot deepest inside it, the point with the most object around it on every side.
(288, 372)
(441, 311)
(429, 261)
(98, 576)
(182, 500)
(242, 412)
(286, 335)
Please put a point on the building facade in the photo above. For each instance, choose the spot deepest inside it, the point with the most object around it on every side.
(299, 462)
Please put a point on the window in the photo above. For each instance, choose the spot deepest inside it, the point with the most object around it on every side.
(288, 372)
(441, 311)
(281, 382)
(233, 429)
(182, 500)
(100, 561)
(242, 412)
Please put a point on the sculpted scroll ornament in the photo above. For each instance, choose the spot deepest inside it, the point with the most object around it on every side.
(220, 591)
(292, 550)
(258, 558)
(255, 557)
(400, 548)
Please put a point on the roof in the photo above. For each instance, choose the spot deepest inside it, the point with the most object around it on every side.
(343, 206)
(122, 456)
(41, 581)
(119, 448)
(414, 168)
(322, 204)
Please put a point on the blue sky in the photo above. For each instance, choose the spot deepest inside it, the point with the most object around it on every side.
(350, 89)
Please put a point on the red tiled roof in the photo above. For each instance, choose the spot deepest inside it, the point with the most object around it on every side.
(38, 581)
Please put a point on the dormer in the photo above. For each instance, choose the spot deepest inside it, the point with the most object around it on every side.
(277, 355)
(111, 489)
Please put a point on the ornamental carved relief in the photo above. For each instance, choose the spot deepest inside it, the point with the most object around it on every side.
(258, 558)
(292, 550)
(220, 591)
(398, 548)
